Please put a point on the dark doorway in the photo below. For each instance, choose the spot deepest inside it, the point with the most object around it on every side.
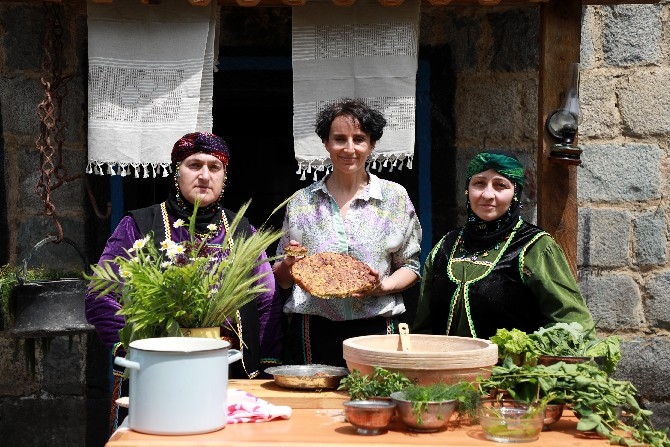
(253, 112)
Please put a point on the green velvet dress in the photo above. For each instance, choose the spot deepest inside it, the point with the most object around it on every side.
(522, 281)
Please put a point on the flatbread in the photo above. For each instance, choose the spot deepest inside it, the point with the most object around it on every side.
(295, 250)
(333, 275)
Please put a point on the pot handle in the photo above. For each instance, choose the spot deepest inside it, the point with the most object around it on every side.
(233, 356)
(122, 361)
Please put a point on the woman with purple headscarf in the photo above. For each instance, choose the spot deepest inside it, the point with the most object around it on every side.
(200, 164)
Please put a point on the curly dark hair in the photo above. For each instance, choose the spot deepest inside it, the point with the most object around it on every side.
(371, 121)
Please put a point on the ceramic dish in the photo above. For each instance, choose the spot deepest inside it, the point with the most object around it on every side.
(311, 377)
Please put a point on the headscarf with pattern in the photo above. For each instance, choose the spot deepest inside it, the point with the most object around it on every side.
(200, 142)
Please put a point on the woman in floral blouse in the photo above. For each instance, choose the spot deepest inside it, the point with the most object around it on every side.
(355, 212)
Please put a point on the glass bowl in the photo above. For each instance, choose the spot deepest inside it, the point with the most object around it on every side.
(370, 417)
(505, 420)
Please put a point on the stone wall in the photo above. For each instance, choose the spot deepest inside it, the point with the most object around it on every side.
(623, 188)
(484, 80)
(63, 397)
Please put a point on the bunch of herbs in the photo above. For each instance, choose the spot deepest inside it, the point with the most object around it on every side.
(380, 384)
(465, 393)
(187, 284)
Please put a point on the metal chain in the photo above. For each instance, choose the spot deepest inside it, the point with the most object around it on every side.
(49, 143)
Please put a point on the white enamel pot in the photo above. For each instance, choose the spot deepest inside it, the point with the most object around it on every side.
(178, 385)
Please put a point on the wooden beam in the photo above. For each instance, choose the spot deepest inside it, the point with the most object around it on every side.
(560, 35)
(445, 3)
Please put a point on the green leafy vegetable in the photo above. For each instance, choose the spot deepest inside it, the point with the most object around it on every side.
(465, 393)
(594, 395)
(380, 384)
(560, 339)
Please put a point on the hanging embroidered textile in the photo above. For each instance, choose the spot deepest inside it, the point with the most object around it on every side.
(365, 51)
(150, 81)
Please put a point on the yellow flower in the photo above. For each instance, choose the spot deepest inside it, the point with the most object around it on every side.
(211, 227)
(125, 273)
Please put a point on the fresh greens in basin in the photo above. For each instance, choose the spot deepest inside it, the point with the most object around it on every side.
(560, 339)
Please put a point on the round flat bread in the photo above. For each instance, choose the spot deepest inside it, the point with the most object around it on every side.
(333, 275)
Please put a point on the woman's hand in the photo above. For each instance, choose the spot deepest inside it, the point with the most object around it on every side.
(378, 290)
(400, 280)
(282, 269)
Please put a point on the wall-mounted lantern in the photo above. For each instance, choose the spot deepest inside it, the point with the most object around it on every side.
(563, 123)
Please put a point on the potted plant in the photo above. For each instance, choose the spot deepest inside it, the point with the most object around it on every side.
(184, 285)
(427, 408)
(598, 399)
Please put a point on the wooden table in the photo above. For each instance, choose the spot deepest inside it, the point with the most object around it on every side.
(318, 420)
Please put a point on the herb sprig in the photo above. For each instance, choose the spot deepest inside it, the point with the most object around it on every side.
(380, 384)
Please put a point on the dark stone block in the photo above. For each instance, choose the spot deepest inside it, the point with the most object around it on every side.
(31, 422)
(460, 34)
(19, 97)
(62, 367)
(69, 196)
(646, 364)
(515, 36)
(22, 39)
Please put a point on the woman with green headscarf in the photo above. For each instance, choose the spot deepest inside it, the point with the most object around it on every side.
(497, 271)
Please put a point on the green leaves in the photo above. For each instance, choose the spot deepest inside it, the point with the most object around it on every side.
(559, 339)
(605, 405)
(380, 384)
(184, 285)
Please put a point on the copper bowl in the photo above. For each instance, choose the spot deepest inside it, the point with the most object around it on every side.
(370, 417)
(552, 414)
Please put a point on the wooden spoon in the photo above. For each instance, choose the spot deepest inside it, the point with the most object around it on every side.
(404, 336)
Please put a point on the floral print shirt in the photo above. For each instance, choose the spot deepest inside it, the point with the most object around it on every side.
(381, 228)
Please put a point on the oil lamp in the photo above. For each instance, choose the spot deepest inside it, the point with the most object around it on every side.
(562, 124)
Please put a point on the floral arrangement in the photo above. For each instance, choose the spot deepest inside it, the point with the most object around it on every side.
(184, 285)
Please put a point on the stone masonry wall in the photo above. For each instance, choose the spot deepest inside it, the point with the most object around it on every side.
(484, 78)
(64, 400)
(623, 188)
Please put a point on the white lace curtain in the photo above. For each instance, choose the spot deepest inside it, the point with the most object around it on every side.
(150, 81)
(365, 51)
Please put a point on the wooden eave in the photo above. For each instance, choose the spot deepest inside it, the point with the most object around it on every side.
(276, 3)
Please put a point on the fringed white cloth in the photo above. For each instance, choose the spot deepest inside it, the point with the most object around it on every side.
(150, 81)
(365, 51)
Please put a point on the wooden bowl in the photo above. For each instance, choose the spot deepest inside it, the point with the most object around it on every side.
(432, 358)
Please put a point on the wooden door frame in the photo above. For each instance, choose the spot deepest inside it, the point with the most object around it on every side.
(559, 46)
